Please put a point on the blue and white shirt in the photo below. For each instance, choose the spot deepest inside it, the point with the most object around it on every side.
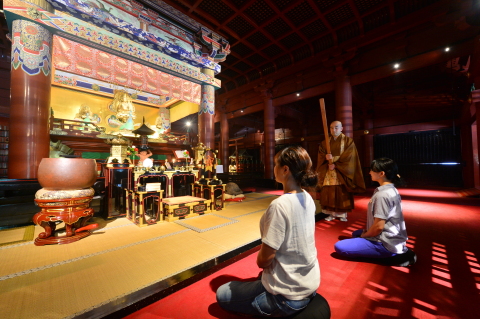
(386, 204)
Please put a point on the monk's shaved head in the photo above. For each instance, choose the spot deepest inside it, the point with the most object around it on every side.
(337, 123)
(336, 128)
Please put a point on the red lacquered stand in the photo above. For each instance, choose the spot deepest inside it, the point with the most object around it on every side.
(74, 212)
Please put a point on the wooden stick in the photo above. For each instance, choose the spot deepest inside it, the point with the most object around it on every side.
(325, 128)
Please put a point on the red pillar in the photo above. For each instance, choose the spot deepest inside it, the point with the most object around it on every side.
(30, 99)
(368, 151)
(468, 140)
(477, 155)
(269, 135)
(471, 123)
(224, 140)
(343, 102)
(206, 112)
(471, 174)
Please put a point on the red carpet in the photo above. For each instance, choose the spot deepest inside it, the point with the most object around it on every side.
(444, 283)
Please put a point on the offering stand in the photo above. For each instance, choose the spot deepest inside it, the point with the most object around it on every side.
(144, 199)
(139, 200)
(181, 207)
(74, 212)
(65, 197)
(216, 194)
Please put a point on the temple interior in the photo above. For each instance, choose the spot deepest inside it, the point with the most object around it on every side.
(123, 123)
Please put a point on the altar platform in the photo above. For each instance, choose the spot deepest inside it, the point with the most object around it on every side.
(120, 263)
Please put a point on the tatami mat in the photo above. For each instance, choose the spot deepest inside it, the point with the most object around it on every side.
(65, 281)
(205, 223)
(11, 236)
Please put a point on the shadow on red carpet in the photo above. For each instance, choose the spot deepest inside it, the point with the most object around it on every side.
(444, 283)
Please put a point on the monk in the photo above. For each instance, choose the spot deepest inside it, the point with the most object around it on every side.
(341, 179)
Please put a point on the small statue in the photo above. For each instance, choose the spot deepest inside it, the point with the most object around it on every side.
(123, 106)
(232, 168)
(209, 161)
(144, 152)
(84, 113)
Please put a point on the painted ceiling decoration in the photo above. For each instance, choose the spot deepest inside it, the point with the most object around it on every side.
(127, 20)
(94, 86)
(219, 47)
(83, 32)
(76, 58)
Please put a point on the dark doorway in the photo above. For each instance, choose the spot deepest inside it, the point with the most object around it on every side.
(425, 159)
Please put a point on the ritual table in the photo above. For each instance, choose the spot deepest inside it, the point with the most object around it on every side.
(180, 207)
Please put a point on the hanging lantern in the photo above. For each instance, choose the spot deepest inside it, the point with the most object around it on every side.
(143, 131)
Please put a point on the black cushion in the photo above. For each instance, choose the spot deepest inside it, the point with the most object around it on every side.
(401, 260)
(318, 308)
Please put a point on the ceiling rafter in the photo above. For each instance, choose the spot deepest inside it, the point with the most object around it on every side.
(391, 6)
(262, 25)
(281, 14)
(194, 6)
(357, 16)
(323, 20)
(296, 29)
(237, 12)
(240, 12)
(268, 35)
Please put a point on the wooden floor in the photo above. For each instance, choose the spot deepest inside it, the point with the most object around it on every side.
(120, 263)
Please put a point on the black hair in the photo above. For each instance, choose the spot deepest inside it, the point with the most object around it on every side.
(299, 163)
(144, 148)
(390, 168)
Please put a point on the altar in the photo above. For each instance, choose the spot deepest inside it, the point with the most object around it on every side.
(152, 190)
(146, 193)
(173, 183)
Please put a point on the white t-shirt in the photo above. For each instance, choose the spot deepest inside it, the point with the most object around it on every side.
(288, 226)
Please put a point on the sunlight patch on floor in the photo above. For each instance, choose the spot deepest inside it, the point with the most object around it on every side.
(390, 312)
(474, 266)
(440, 275)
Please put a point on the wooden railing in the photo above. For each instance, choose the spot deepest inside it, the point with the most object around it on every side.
(74, 127)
